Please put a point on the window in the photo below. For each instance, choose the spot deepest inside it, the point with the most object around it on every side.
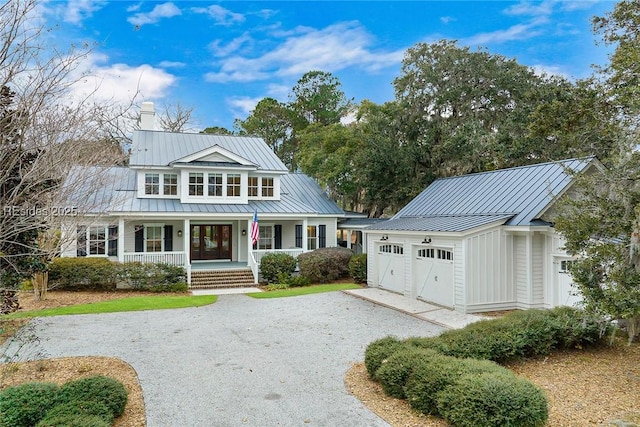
(391, 249)
(253, 186)
(267, 187)
(152, 183)
(445, 255)
(153, 238)
(196, 184)
(266, 237)
(233, 185)
(426, 253)
(312, 237)
(215, 185)
(170, 184)
(565, 266)
(97, 240)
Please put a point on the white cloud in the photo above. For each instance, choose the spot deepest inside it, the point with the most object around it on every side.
(77, 10)
(550, 70)
(172, 64)
(515, 32)
(446, 19)
(164, 10)
(119, 82)
(242, 106)
(220, 15)
(333, 48)
(544, 8)
(234, 45)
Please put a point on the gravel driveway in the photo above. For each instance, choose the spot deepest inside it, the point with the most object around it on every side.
(240, 361)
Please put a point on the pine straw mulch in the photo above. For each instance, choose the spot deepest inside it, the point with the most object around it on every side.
(588, 387)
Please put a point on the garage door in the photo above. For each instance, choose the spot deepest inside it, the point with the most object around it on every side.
(569, 294)
(433, 275)
(390, 262)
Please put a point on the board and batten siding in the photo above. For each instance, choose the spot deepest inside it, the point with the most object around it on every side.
(521, 268)
(537, 270)
(486, 271)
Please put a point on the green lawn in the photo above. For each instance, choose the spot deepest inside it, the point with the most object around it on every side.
(154, 302)
(305, 290)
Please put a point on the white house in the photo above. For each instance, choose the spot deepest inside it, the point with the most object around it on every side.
(189, 199)
(480, 242)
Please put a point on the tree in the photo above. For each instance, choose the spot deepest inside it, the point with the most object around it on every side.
(217, 130)
(317, 98)
(175, 118)
(44, 128)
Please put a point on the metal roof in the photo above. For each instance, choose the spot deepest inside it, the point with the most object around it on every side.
(156, 148)
(439, 223)
(359, 223)
(117, 194)
(519, 195)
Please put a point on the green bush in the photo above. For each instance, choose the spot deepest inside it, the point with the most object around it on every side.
(66, 413)
(274, 264)
(378, 351)
(431, 375)
(101, 274)
(26, 404)
(83, 273)
(325, 265)
(105, 390)
(490, 399)
(293, 281)
(395, 370)
(73, 420)
(358, 268)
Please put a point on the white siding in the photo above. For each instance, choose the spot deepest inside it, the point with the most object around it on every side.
(486, 269)
(537, 270)
(520, 268)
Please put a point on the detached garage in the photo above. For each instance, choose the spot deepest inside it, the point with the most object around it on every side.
(480, 242)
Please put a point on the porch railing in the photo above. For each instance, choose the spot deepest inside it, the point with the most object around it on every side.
(173, 258)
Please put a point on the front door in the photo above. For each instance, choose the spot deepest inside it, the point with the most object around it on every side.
(210, 242)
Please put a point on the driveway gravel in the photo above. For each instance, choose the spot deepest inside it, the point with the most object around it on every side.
(240, 361)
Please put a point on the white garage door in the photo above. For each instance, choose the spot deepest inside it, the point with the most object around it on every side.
(390, 262)
(433, 275)
(568, 293)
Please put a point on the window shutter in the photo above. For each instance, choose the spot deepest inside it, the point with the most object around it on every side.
(322, 236)
(168, 238)
(112, 248)
(298, 236)
(277, 230)
(139, 238)
(81, 244)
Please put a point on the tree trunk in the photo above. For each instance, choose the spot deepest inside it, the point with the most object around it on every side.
(40, 285)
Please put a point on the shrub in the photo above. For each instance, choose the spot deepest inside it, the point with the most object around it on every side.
(395, 370)
(273, 264)
(83, 273)
(358, 268)
(153, 277)
(431, 375)
(325, 265)
(293, 281)
(491, 399)
(378, 351)
(73, 420)
(66, 413)
(26, 404)
(105, 390)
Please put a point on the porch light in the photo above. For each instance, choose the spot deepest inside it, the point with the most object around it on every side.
(426, 240)
(179, 233)
(384, 237)
(244, 232)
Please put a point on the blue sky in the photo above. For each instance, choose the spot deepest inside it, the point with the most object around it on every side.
(221, 58)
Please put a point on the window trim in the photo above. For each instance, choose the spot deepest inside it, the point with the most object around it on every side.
(86, 240)
(233, 185)
(263, 239)
(145, 239)
(217, 186)
(195, 184)
(175, 185)
(151, 183)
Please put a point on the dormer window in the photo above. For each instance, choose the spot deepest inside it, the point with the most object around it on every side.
(215, 185)
(233, 185)
(170, 184)
(253, 186)
(267, 187)
(152, 183)
(196, 184)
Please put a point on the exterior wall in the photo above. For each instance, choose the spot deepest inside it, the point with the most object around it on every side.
(521, 268)
(486, 261)
(538, 270)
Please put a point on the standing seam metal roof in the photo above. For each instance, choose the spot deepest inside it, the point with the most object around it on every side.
(518, 193)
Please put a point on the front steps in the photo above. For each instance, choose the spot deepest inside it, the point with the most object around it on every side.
(225, 278)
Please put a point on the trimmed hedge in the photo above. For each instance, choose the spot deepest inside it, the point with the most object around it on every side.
(275, 266)
(105, 390)
(490, 399)
(25, 404)
(378, 351)
(358, 268)
(101, 274)
(325, 265)
(73, 420)
(75, 413)
(396, 369)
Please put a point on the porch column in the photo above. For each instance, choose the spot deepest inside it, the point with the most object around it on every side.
(249, 243)
(349, 238)
(186, 241)
(305, 239)
(121, 240)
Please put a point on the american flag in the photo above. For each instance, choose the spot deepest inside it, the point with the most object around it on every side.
(255, 229)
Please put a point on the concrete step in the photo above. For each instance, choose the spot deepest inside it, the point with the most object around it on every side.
(218, 279)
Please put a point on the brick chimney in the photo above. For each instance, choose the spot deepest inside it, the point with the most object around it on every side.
(147, 116)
